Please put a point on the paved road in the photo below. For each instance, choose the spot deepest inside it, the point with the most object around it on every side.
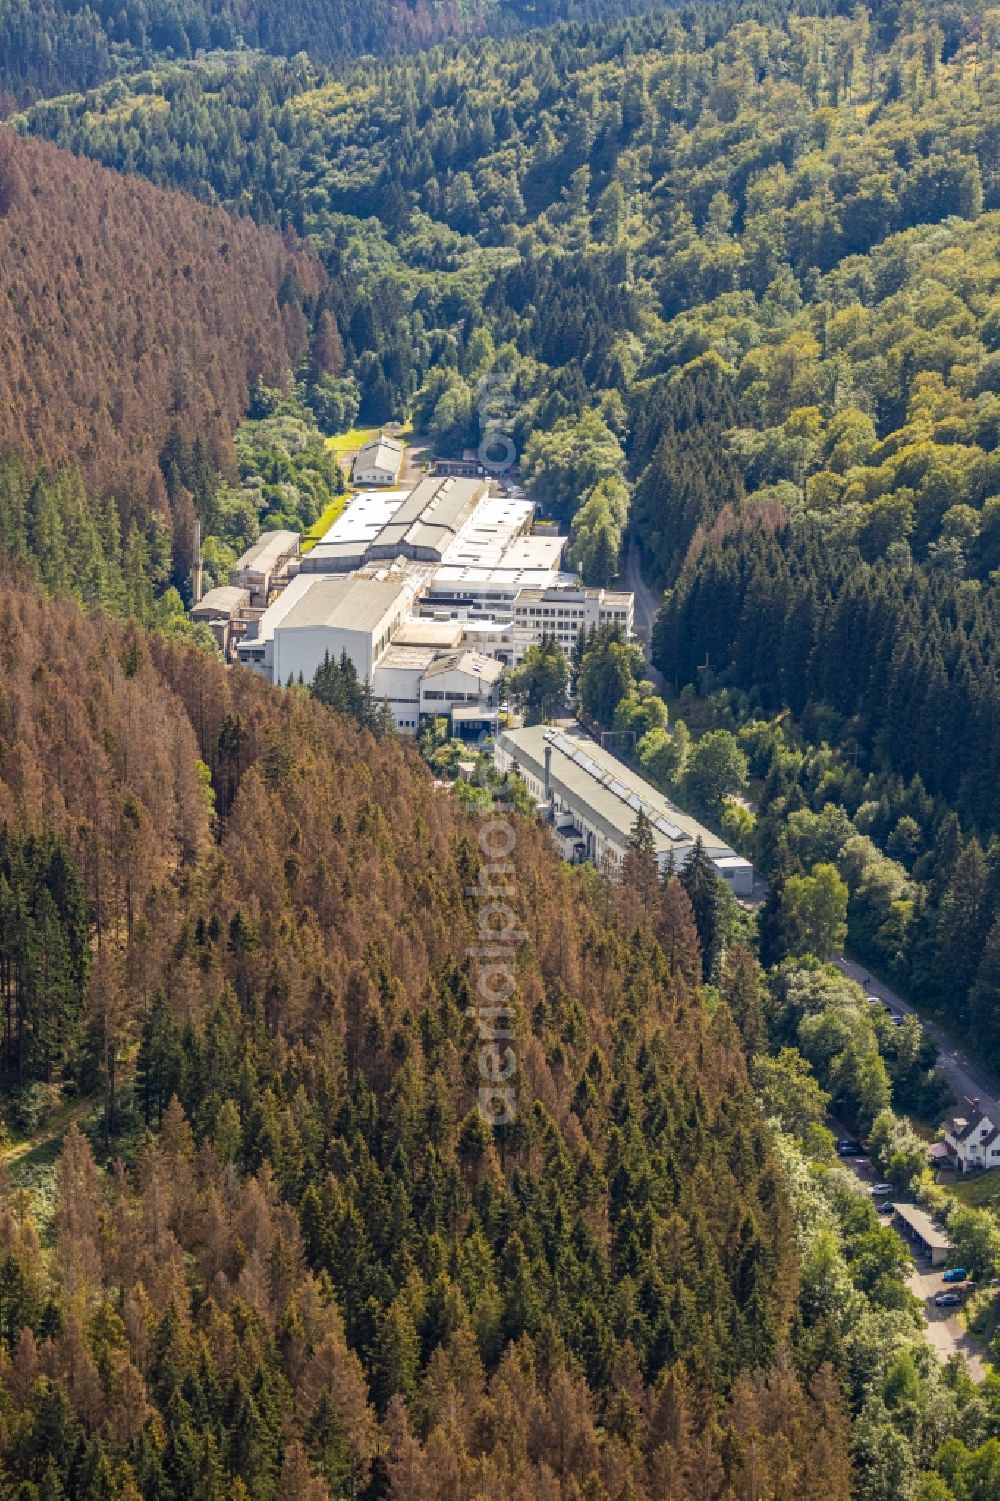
(946, 1334)
(647, 607)
(647, 603)
(414, 455)
(966, 1078)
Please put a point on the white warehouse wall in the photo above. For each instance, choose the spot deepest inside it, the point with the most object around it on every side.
(302, 649)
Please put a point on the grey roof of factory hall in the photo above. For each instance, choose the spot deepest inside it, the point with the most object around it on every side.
(432, 515)
(344, 603)
(583, 772)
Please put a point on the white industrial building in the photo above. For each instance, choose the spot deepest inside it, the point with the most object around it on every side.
(335, 615)
(461, 677)
(397, 680)
(443, 520)
(430, 592)
(256, 650)
(562, 612)
(483, 591)
(378, 461)
(430, 520)
(345, 546)
(592, 798)
(265, 563)
(418, 682)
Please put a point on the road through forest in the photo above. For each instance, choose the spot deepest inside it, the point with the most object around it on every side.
(966, 1078)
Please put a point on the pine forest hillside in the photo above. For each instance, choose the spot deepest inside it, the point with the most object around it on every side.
(325, 1262)
(134, 325)
(127, 309)
(730, 282)
(47, 46)
(796, 215)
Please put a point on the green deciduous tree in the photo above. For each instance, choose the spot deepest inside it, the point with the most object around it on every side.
(814, 912)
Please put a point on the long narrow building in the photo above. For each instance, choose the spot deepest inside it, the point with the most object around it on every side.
(592, 800)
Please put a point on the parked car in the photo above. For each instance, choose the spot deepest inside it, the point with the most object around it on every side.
(848, 1148)
(955, 1274)
(881, 1189)
(946, 1300)
(897, 1019)
(885, 1207)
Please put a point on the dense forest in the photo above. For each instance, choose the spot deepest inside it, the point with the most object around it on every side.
(312, 1270)
(135, 324)
(798, 213)
(892, 676)
(47, 46)
(324, 1238)
(127, 309)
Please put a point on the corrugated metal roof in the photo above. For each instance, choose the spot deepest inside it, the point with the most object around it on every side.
(469, 662)
(268, 550)
(920, 1222)
(225, 600)
(379, 453)
(586, 774)
(345, 603)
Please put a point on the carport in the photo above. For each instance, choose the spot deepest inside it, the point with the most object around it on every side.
(919, 1228)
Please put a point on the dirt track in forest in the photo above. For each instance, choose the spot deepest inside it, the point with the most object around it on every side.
(65, 1116)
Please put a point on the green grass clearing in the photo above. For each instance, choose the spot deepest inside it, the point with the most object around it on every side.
(323, 523)
(31, 1164)
(343, 443)
(981, 1191)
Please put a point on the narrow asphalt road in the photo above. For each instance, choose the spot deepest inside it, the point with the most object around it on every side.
(647, 606)
(946, 1334)
(967, 1079)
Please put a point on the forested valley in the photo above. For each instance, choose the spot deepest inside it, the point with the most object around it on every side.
(727, 278)
(135, 328)
(734, 284)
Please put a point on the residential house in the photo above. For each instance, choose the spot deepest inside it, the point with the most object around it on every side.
(972, 1140)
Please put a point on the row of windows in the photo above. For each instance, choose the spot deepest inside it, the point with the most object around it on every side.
(435, 695)
(563, 614)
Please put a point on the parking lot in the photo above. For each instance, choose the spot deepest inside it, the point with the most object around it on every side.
(946, 1333)
(945, 1330)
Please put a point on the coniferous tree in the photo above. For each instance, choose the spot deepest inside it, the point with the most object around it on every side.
(701, 884)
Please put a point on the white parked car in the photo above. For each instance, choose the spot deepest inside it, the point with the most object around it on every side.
(881, 1189)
